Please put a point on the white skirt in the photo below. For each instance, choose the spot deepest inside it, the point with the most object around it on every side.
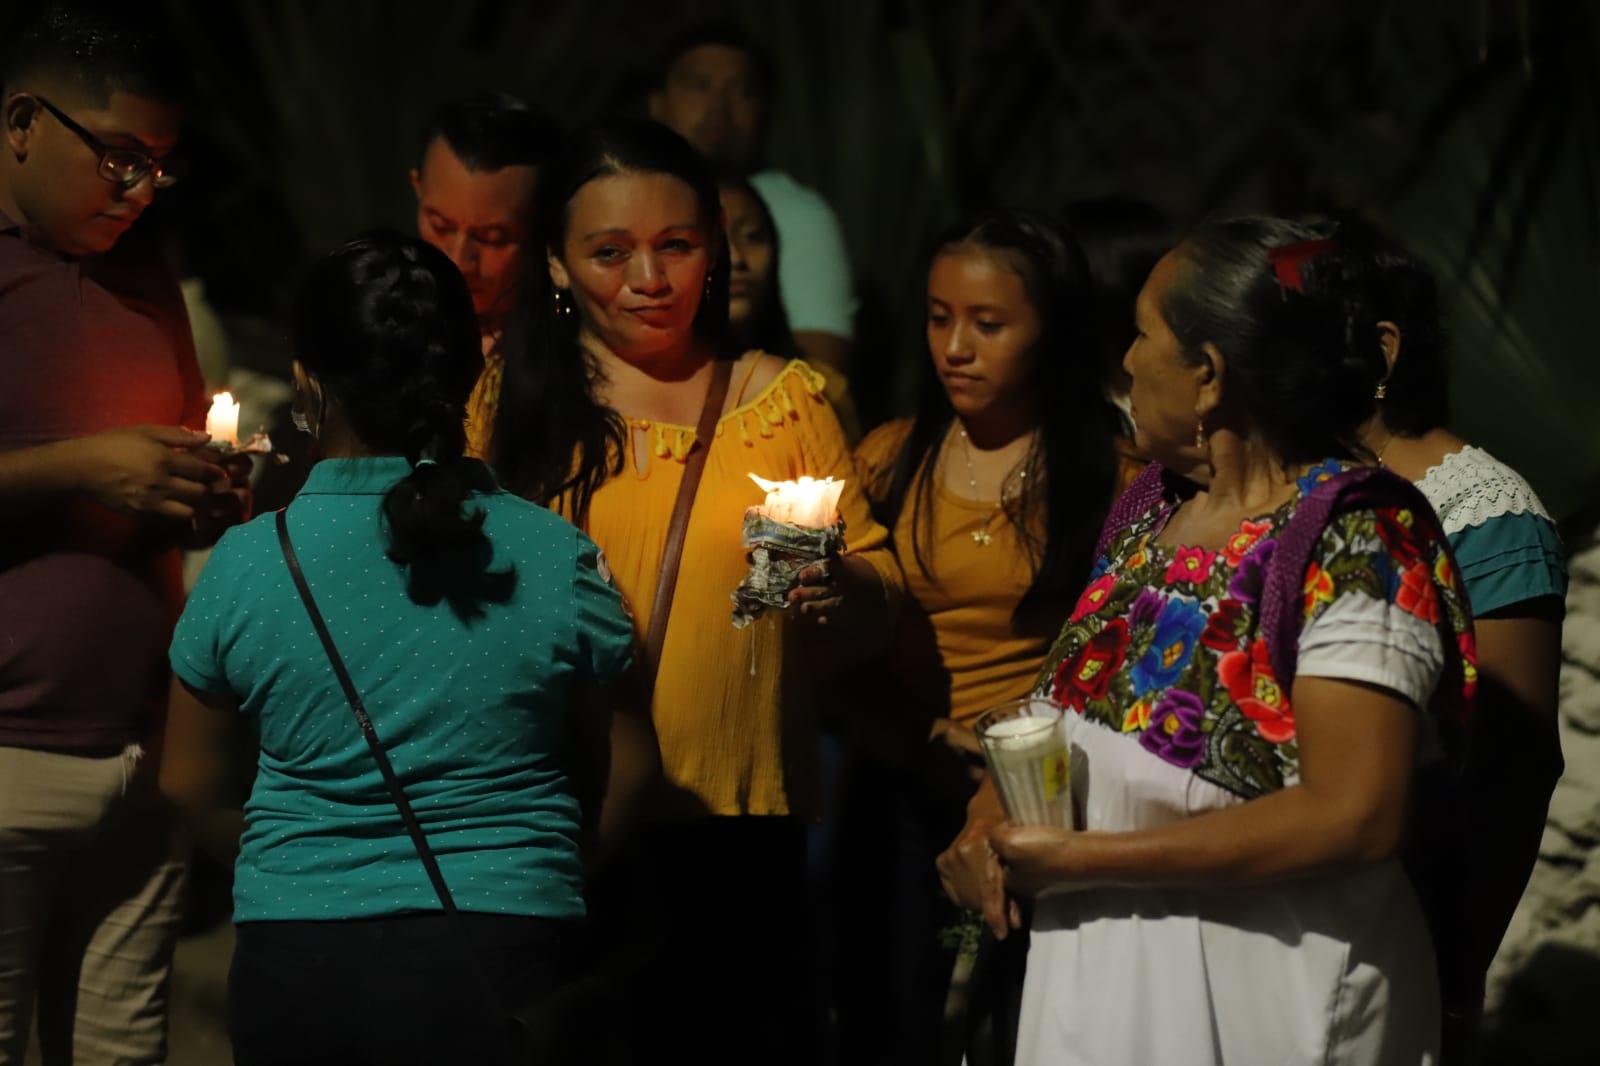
(1333, 970)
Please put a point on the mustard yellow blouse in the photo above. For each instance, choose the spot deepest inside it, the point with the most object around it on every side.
(956, 653)
(735, 710)
(965, 605)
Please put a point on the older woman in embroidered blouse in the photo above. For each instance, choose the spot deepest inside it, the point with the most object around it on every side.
(604, 384)
(1236, 895)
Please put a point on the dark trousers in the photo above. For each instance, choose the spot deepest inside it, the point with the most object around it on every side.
(898, 933)
(385, 991)
(894, 951)
(701, 947)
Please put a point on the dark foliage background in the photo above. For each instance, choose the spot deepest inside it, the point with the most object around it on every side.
(1467, 127)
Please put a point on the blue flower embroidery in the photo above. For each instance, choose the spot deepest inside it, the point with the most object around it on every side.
(1177, 630)
(1318, 474)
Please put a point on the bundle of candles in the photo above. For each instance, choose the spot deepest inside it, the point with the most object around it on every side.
(222, 423)
(798, 525)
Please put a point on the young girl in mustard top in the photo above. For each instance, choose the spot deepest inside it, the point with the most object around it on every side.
(605, 380)
(995, 492)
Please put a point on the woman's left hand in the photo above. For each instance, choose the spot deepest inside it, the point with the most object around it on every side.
(1034, 857)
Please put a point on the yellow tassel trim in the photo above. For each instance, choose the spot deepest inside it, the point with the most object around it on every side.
(770, 411)
(814, 382)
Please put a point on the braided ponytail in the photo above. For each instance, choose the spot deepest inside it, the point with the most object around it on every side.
(426, 512)
(387, 325)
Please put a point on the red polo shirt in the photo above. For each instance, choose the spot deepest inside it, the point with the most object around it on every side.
(88, 596)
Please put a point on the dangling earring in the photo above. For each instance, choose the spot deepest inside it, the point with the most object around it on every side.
(710, 279)
(1200, 434)
(299, 415)
(1382, 391)
(561, 301)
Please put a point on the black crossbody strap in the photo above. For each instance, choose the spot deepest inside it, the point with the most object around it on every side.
(396, 791)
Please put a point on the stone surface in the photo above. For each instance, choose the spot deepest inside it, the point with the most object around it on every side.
(1580, 700)
(1546, 978)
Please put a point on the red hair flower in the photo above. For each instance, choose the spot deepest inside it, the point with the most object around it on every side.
(1289, 260)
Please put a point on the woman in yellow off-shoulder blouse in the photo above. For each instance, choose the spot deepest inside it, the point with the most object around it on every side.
(604, 382)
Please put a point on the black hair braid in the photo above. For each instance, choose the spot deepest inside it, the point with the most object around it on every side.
(425, 511)
(385, 324)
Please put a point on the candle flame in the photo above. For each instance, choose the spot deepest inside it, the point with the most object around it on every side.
(222, 421)
(806, 502)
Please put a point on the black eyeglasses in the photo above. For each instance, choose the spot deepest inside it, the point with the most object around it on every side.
(126, 167)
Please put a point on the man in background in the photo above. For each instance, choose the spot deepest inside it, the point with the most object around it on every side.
(475, 184)
(713, 86)
(102, 478)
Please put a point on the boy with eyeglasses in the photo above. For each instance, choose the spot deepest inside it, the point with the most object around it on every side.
(100, 483)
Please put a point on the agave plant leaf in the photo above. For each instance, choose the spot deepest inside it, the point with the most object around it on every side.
(1501, 198)
(1471, 130)
(1516, 272)
(341, 90)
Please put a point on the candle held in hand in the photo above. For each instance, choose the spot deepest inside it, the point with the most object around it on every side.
(806, 502)
(1025, 746)
(222, 421)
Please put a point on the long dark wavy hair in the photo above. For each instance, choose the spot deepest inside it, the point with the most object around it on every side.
(553, 437)
(1072, 468)
(768, 329)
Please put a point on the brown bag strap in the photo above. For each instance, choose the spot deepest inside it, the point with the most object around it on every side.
(694, 465)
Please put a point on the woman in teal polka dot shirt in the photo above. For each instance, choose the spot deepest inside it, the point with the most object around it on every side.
(480, 631)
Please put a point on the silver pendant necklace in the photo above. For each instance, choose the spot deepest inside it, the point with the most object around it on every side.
(981, 536)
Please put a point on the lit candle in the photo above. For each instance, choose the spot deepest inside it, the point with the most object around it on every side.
(222, 421)
(806, 502)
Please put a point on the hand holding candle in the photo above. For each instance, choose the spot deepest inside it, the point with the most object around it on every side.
(1025, 745)
(796, 526)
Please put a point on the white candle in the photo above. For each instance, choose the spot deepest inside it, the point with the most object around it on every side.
(222, 421)
(1027, 756)
(806, 502)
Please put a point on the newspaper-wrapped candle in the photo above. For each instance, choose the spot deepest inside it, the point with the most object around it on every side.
(798, 525)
